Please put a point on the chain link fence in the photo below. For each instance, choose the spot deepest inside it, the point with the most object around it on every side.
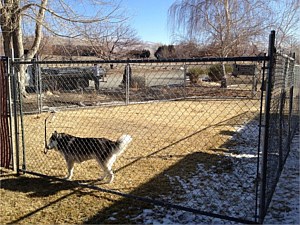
(187, 122)
(202, 142)
(76, 85)
(282, 115)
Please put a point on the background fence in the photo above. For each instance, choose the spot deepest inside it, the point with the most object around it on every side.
(62, 84)
(196, 134)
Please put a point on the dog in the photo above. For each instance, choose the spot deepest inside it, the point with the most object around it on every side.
(76, 150)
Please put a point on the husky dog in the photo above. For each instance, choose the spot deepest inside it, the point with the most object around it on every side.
(77, 149)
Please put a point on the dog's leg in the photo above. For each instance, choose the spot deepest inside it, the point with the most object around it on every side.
(70, 165)
(110, 174)
(107, 171)
(108, 168)
(104, 174)
(103, 169)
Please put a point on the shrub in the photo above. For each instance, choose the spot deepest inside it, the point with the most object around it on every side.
(194, 73)
(215, 72)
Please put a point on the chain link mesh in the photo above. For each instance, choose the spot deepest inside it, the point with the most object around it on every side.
(187, 121)
(283, 118)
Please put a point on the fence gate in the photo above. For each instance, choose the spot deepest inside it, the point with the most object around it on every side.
(196, 133)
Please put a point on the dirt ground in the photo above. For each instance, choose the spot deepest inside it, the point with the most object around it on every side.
(169, 138)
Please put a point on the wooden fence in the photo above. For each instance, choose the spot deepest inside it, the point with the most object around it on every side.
(5, 145)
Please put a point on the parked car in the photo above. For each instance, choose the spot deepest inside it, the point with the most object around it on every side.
(63, 78)
(206, 79)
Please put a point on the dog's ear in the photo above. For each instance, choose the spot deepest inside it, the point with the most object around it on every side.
(55, 134)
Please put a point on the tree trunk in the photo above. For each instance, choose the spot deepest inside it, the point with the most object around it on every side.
(224, 78)
(11, 26)
(19, 53)
(7, 43)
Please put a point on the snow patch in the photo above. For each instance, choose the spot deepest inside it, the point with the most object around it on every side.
(231, 193)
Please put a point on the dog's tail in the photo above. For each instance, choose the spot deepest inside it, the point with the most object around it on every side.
(122, 143)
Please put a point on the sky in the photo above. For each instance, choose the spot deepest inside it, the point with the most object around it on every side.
(149, 19)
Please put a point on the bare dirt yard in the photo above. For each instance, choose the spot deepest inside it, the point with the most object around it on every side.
(169, 139)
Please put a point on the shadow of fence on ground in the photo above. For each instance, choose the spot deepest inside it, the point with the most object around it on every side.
(231, 168)
(207, 178)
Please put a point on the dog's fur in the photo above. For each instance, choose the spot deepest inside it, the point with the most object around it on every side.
(77, 149)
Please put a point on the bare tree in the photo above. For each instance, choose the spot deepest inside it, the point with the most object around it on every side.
(230, 24)
(285, 21)
(111, 40)
(190, 49)
(39, 15)
(226, 23)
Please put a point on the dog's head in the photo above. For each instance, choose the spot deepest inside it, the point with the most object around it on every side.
(53, 141)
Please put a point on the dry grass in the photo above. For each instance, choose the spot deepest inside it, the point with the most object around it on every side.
(168, 138)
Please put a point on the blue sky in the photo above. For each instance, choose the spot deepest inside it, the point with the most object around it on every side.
(149, 19)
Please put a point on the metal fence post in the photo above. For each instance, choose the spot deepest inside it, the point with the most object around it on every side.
(291, 102)
(127, 83)
(184, 79)
(14, 112)
(254, 82)
(11, 116)
(264, 166)
(281, 128)
(38, 83)
(291, 82)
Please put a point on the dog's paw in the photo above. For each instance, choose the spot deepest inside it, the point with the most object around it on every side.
(67, 178)
(102, 177)
(110, 180)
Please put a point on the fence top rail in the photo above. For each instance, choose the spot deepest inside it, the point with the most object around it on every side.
(185, 60)
(292, 58)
